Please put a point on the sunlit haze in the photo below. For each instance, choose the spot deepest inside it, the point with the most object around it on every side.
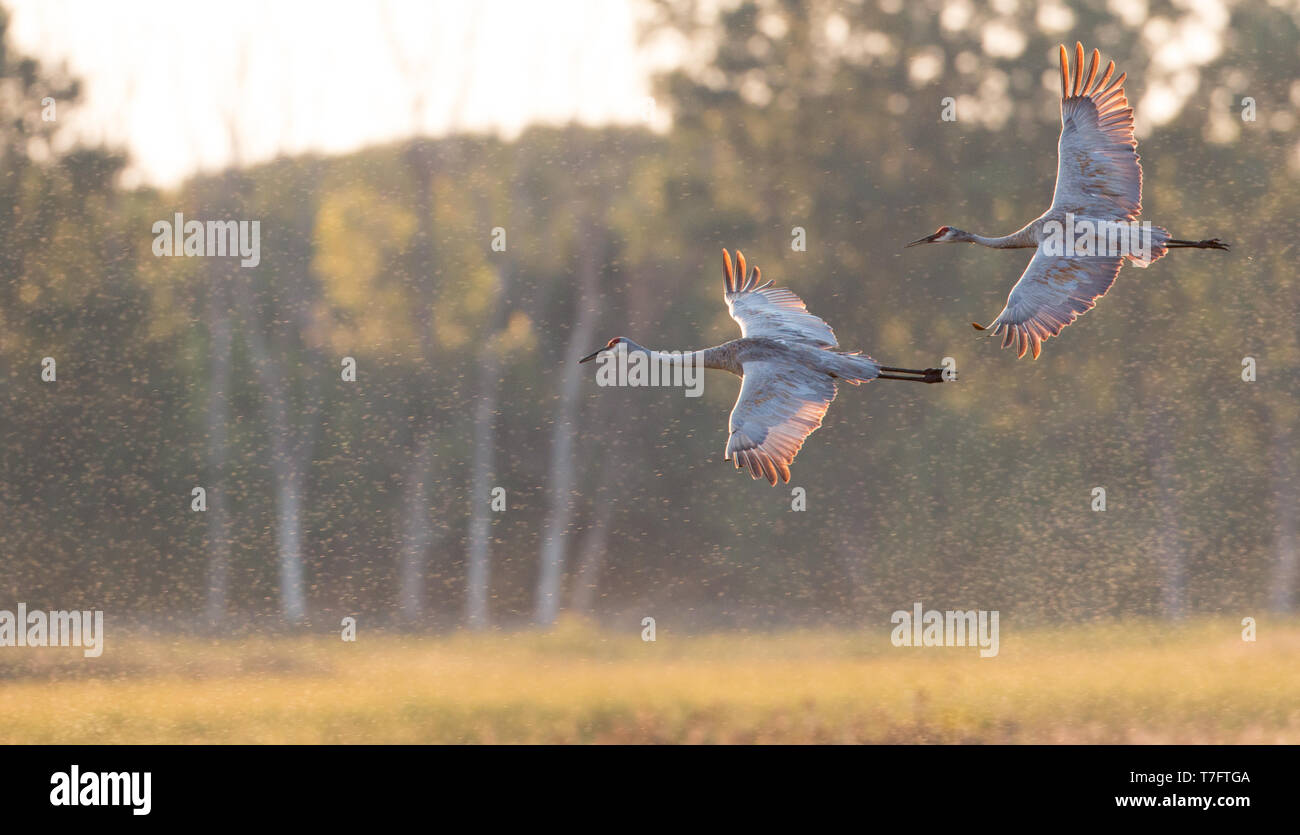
(170, 80)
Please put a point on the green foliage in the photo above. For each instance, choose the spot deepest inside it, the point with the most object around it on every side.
(955, 495)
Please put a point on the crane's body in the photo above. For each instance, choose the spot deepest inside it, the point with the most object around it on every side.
(1098, 186)
(733, 355)
(787, 361)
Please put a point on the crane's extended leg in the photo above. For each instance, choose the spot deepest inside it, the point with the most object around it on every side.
(1212, 243)
(927, 375)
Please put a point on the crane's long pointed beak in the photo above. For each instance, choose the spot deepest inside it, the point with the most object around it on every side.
(928, 239)
(591, 356)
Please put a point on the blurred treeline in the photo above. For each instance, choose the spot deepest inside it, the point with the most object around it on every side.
(372, 498)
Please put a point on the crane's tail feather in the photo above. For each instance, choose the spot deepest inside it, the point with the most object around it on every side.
(855, 367)
(1156, 247)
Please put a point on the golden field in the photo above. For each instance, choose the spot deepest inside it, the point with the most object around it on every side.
(1125, 682)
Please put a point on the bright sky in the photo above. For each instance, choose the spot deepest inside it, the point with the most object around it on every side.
(165, 78)
(169, 79)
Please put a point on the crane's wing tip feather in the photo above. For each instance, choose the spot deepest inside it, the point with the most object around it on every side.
(1093, 61)
(1105, 77)
(760, 465)
(1065, 73)
(1080, 81)
(734, 275)
(1078, 66)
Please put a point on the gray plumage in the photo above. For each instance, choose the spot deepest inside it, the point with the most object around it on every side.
(789, 368)
(1098, 181)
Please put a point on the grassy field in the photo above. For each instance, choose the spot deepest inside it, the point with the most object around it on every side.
(1132, 682)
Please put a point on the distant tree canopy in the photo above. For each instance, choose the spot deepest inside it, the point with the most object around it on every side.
(825, 118)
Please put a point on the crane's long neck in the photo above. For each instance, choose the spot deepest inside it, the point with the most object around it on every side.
(1016, 240)
(723, 357)
(641, 366)
(707, 358)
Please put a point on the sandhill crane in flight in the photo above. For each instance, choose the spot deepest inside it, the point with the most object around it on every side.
(1098, 181)
(788, 366)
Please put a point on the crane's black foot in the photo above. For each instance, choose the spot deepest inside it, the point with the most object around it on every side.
(917, 375)
(935, 375)
(1212, 243)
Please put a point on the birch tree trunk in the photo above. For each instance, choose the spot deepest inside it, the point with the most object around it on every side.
(1286, 463)
(288, 535)
(417, 531)
(595, 545)
(289, 467)
(555, 538)
(478, 554)
(220, 362)
(1283, 581)
(417, 526)
(218, 422)
(292, 443)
